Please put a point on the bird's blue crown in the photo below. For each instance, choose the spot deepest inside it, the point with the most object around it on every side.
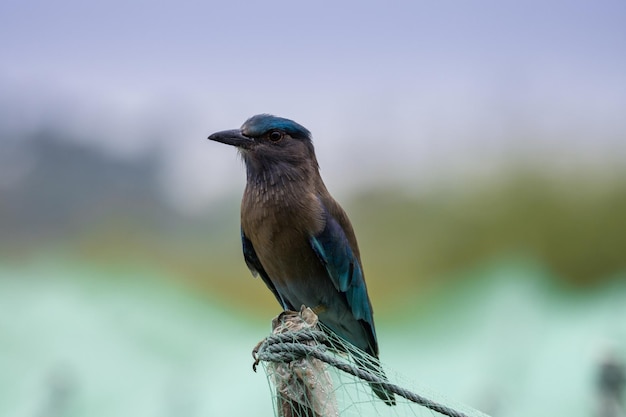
(263, 123)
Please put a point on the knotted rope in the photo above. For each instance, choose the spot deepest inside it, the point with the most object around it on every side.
(292, 345)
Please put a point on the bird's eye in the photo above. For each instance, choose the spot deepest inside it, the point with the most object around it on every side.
(275, 136)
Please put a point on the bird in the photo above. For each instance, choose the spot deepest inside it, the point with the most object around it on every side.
(297, 238)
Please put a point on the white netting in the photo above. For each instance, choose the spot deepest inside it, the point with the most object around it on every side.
(316, 374)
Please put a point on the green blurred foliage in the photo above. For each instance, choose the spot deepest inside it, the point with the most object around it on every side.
(575, 228)
(79, 203)
(409, 244)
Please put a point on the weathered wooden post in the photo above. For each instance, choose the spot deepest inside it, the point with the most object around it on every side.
(303, 386)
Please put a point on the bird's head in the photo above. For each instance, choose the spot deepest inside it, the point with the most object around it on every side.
(268, 142)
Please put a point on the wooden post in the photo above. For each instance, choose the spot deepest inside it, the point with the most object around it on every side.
(303, 386)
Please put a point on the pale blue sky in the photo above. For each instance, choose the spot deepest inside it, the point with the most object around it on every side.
(397, 87)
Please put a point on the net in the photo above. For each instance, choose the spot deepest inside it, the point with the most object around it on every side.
(314, 373)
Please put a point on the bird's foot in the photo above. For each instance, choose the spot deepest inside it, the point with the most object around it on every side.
(255, 355)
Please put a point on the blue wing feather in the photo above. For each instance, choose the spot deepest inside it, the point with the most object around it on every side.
(344, 269)
(332, 247)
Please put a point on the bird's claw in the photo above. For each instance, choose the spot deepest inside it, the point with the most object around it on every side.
(255, 355)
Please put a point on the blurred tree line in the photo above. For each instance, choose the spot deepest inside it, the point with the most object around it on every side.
(76, 201)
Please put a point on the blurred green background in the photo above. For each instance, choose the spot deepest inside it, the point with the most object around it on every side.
(479, 149)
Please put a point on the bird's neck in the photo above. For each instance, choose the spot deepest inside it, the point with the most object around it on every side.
(281, 194)
(282, 179)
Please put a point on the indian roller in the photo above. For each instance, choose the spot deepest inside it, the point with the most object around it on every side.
(297, 238)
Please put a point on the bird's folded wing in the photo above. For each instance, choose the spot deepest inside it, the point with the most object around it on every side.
(333, 249)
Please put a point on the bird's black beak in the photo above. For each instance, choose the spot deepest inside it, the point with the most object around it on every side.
(232, 137)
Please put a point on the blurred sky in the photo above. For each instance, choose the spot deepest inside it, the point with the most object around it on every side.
(402, 90)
